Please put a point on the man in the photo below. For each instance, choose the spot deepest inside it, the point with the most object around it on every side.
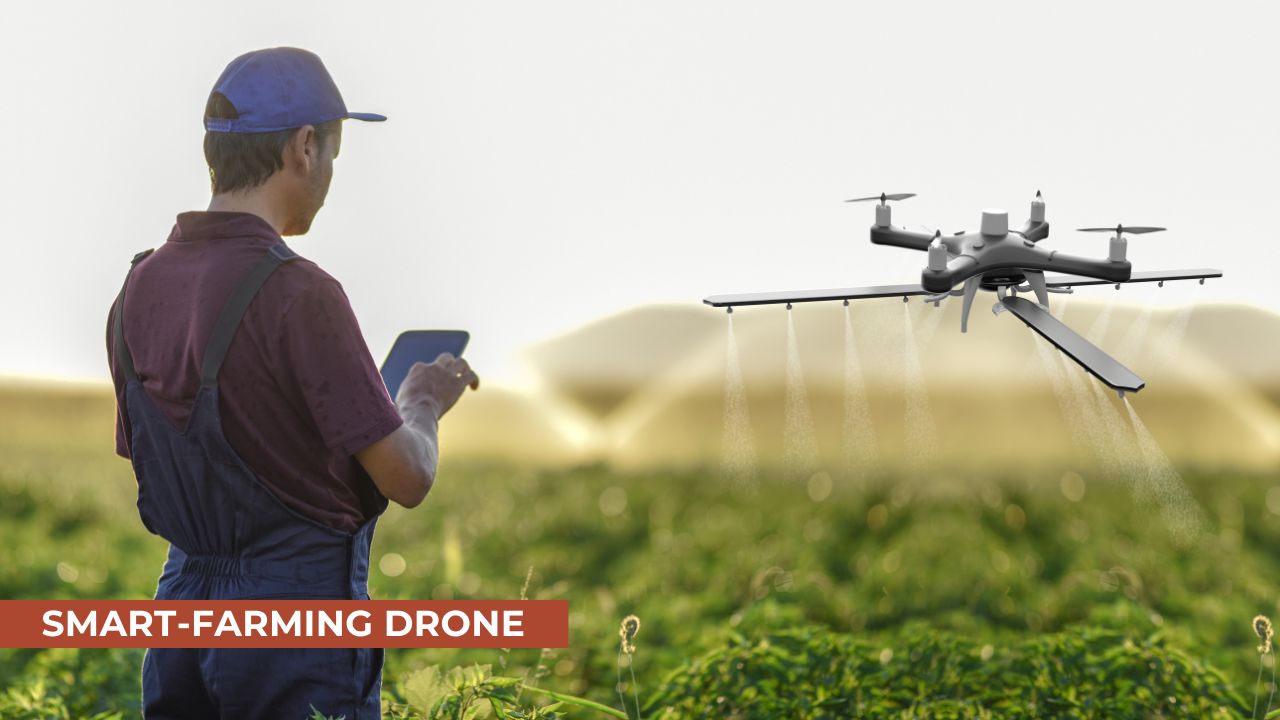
(263, 439)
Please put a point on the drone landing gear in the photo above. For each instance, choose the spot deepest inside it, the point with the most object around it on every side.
(970, 290)
(1036, 281)
(936, 298)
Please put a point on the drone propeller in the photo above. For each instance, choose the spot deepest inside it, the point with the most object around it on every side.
(1122, 229)
(882, 197)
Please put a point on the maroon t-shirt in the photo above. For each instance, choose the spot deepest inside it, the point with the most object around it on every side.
(298, 392)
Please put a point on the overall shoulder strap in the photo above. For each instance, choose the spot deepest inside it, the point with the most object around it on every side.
(233, 312)
(123, 356)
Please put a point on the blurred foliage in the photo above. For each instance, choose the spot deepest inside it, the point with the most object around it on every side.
(1080, 590)
(473, 693)
(814, 673)
(70, 683)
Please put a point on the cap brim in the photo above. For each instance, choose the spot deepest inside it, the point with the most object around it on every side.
(367, 117)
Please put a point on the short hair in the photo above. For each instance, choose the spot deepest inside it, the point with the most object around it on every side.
(240, 161)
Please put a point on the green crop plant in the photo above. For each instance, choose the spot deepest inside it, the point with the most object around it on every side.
(1035, 594)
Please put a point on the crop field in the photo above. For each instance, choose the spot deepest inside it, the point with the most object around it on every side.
(1047, 596)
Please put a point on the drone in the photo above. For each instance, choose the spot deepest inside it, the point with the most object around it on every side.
(1005, 262)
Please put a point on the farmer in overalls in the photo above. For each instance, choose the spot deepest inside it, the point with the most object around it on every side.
(263, 439)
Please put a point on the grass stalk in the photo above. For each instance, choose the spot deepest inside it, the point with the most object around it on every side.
(580, 702)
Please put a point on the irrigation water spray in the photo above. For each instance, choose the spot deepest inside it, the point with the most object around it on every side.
(738, 446)
(921, 432)
(1098, 330)
(1174, 331)
(1069, 401)
(860, 453)
(1125, 448)
(799, 440)
(927, 330)
(1135, 338)
(1178, 507)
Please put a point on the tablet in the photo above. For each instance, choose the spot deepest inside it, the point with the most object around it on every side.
(415, 346)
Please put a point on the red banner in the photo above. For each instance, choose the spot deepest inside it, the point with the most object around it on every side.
(284, 623)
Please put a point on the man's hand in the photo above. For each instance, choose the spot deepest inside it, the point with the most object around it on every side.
(436, 385)
(403, 464)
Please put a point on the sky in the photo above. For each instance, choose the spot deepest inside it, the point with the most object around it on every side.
(548, 164)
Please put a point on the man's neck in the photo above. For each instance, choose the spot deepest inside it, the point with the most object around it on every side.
(254, 203)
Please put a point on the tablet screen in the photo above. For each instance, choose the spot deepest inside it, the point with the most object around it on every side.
(416, 346)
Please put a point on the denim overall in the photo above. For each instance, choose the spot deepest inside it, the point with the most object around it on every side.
(232, 539)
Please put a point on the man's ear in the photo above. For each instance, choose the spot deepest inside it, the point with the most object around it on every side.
(302, 152)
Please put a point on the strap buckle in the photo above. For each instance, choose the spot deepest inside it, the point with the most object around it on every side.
(283, 252)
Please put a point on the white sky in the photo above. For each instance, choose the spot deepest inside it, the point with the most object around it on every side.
(549, 163)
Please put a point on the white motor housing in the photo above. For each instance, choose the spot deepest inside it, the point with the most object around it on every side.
(995, 222)
(937, 256)
(1118, 247)
(1037, 209)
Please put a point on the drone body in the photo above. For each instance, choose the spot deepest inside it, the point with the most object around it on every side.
(1005, 262)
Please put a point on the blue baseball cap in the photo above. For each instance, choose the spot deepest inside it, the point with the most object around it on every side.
(279, 89)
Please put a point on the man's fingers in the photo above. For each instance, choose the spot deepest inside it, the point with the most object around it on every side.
(459, 368)
(462, 370)
(455, 365)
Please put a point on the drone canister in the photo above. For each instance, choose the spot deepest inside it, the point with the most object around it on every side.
(1118, 247)
(884, 218)
(937, 255)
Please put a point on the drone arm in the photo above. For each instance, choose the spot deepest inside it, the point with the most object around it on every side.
(1108, 270)
(898, 237)
(1092, 359)
(1069, 281)
(802, 296)
(958, 269)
